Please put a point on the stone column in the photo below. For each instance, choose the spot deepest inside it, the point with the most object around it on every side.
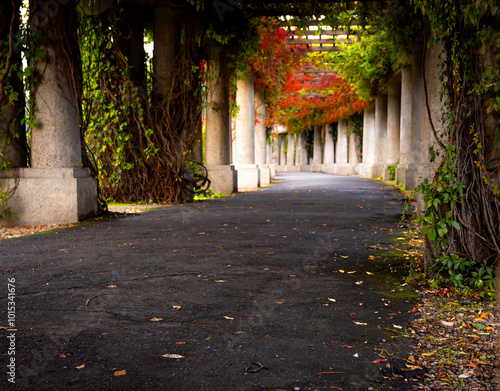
(303, 161)
(318, 150)
(428, 139)
(380, 134)
(393, 126)
(410, 156)
(290, 153)
(405, 137)
(341, 150)
(366, 169)
(248, 173)
(282, 155)
(218, 132)
(354, 158)
(261, 137)
(329, 152)
(56, 189)
(167, 45)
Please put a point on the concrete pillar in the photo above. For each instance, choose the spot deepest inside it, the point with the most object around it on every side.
(302, 161)
(167, 45)
(261, 137)
(56, 189)
(318, 149)
(354, 155)
(218, 132)
(282, 147)
(291, 153)
(380, 135)
(407, 172)
(329, 150)
(405, 138)
(341, 150)
(366, 169)
(248, 173)
(393, 126)
(428, 139)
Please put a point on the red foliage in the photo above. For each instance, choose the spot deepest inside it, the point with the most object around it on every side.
(295, 99)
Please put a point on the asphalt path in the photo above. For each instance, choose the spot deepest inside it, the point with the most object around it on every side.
(297, 286)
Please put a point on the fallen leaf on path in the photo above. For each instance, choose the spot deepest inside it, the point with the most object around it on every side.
(369, 273)
(356, 355)
(377, 361)
(344, 256)
(220, 281)
(155, 319)
(176, 307)
(341, 271)
(228, 317)
(180, 343)
(332, 300)
(447, 324)
(171, 356)
(351, 272)
(361, 323)
(111, 286)
(349, 347)
(397, 327)
(80, 366)
(239, 332)
(359, 282)
(120, 373)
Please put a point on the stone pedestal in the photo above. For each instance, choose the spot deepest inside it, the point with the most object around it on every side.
(248, 177)
(264, 174)
(272, 171)
(49, 195)
(223, 179)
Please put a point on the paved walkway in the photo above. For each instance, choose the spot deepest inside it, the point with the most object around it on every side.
(255, 292)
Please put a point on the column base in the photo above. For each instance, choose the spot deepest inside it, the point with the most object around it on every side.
(317, 167)
(353, 168)
(272, 171)
(248, 176)
(329, 168)
(223, 179)
(292, 168)
(265, 174)
(305, 168)
(366, 170)
(342, 168)
(407, 175)
(49, 195)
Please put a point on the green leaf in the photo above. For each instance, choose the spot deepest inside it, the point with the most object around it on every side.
(431, 235)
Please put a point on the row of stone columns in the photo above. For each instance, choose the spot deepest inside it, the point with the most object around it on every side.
(397, 130)
(249, 166)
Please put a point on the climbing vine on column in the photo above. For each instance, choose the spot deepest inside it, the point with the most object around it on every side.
(461, 220)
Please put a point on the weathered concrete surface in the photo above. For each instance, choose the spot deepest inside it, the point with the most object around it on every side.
(49, 195)
(405, 124)
(256, 278)
(341, 166)
(366, 168)
(380, 135)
